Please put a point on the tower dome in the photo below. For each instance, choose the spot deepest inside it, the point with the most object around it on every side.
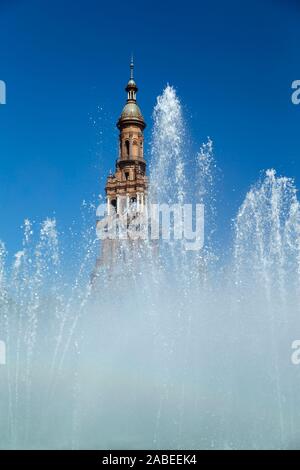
(131, 114)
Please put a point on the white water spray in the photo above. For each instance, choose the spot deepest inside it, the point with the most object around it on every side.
(163, 355)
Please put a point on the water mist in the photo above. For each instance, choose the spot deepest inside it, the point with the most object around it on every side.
(175, 352)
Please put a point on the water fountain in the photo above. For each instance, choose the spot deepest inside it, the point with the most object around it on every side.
(176, 355)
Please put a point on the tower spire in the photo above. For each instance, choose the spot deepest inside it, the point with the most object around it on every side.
(131, 87)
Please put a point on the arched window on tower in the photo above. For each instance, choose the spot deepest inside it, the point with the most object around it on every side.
(135, 149)
(127, 148)
(113, 204)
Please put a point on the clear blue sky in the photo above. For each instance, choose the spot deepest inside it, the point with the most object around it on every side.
(232, 63)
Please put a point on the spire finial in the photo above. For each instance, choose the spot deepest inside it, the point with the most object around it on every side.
(131, 67)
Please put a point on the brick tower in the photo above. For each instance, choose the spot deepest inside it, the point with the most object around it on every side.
(126, 189)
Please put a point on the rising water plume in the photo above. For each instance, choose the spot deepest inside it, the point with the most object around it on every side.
(174, 351)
